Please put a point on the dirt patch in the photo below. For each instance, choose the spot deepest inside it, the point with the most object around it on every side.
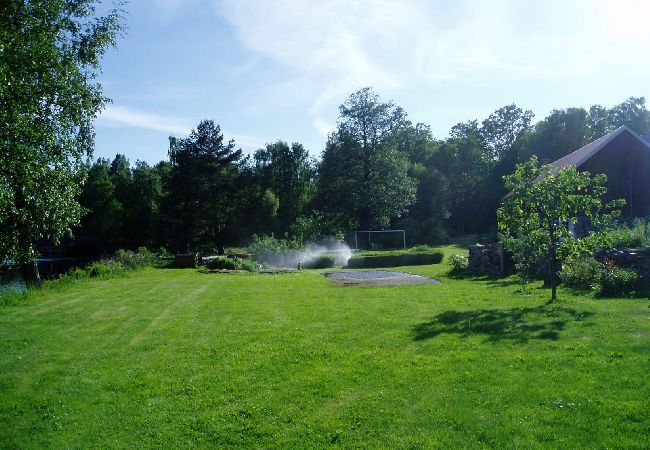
(378, 278)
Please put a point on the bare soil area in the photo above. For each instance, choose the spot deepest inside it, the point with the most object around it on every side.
(378, 278)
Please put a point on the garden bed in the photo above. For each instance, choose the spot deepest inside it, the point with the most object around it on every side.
(378, 278)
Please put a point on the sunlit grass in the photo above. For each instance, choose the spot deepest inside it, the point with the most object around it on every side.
(175, 358)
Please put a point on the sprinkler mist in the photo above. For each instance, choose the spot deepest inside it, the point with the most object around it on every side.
(338, 250)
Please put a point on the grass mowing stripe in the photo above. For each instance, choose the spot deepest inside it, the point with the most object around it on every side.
(176, 358)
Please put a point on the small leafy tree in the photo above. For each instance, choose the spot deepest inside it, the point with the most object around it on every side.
(534, 220)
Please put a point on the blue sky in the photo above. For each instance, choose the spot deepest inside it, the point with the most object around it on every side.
(278, 69)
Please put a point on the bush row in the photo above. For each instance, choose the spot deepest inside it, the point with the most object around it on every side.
(405, 259)
(221, 263)
(266, 248)
(606, 278)
(122, 261)
(634, 235)
(322, 262)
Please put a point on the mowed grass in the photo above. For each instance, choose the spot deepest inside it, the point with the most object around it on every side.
(174, 358)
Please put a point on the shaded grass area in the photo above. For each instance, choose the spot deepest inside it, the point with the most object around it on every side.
(175, 358)
(518, 324)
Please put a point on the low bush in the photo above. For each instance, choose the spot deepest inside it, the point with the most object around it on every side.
(458, 263)
(221, 263)
(134, 260)
(487, 237)
(406, 259)
(163, 253)
(581, 273)
(615, 280)
(122, 261)
(422, 248)
(101, 269)
(322, 262)
(266, 248)
(634, 235)
(607, 278)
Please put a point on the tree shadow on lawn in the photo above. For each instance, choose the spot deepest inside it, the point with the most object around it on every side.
(516, 324)
(492, 280)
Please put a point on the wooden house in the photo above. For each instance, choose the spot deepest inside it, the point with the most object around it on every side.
(624, 157)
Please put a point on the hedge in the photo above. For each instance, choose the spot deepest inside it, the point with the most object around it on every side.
(221, 263)
(412, 259)
(322, 262)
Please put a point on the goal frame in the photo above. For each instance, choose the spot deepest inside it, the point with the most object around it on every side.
(370, 233)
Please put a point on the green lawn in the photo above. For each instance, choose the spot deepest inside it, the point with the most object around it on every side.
(175, 358)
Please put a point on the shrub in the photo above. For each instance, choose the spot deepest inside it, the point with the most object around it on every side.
(406, 259)
(322, 262)
(163, 253)
(608, 278)
(458, 263)
(104, 268)
(487, 237)
(249, 265)
(134, 260)
(630, 236)
(581, 273)
(615, 280)
(122, 261)
(422, 248)
(316, 227)
(266, 247)
(220, 263)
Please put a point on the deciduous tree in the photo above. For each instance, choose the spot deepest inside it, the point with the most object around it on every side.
(50, 54)
(535, 219)
(503, 127)
(363, 178)
(288, 173)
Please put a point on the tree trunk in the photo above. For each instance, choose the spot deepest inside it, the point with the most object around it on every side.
(553, 289)
(554, 269)
(29, 271)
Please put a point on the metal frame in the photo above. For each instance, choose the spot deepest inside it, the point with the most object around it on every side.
(356, 241)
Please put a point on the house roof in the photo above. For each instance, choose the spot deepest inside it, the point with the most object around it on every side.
(580, 156)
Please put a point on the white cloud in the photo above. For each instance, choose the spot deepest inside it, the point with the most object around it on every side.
(121, 116)
(246, 142)
(323, 127)
(245, 67)
(336, 46)
(167, 11)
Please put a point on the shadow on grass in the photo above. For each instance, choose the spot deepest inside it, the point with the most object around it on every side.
(517, 324)
(491, 280)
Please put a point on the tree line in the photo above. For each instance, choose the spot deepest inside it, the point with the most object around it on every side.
(378, 171)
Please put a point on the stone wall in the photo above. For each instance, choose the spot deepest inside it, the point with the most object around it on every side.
(489, 259)
(637, 259)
